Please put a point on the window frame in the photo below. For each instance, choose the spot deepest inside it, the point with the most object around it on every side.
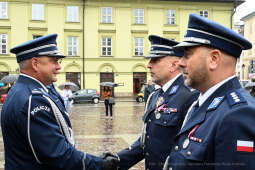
(138, 47)
(37, 16)
(169, 16)
(202, 13)
(138, 18)
(106, 46)
(1, 44)
(2, 10)
(72, 13)
(72, 46)
(106, 17)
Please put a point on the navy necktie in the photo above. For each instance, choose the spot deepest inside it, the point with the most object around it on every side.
(193, 110)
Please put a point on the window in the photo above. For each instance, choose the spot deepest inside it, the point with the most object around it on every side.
(38, 12)
(204, 14)
(139, 46)
(3, 43)
(72, 46)
(106, 15)
(170, 17)
(72, 14)
(139, 16)
(3, 10)
(36, 36)
(106, 46)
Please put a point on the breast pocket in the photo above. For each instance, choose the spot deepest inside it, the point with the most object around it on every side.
(168, 119)
(194, 152)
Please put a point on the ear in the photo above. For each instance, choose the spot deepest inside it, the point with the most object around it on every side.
(34, 63)
(214, 59)
(174, 65)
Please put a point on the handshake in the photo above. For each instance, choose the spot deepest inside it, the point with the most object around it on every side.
(110, 161)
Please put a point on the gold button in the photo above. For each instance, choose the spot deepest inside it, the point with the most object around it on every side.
(188, 153)
(176, 148)
(149, 120)
(148, 137)
(164, 122)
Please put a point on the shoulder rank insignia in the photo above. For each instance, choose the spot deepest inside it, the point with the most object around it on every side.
(235, 97)
(36, 92)
(215, 103)
(174, 89)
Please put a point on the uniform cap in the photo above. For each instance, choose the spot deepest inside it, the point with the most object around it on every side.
(42, 46)
(161, 47)
(202, 31)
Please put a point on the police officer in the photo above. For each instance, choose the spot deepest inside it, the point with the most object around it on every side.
(36, 129)
(218, 133)
(164, 110)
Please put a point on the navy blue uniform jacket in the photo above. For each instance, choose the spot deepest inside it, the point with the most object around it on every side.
(226, 128)
(160, 133)
(40, 136)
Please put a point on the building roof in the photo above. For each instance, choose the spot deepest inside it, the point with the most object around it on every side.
(248, 16)
(237, 2)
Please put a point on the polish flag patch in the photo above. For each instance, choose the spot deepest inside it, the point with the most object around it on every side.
(244, 146)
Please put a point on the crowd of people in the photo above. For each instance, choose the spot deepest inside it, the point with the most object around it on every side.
(200, 118)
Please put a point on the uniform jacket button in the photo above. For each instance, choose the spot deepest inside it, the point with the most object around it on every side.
(188, 153)
(176, 148)
(148, 137)
(149, 120)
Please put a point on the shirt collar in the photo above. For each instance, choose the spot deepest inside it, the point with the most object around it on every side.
(22, 74)
(169, 83)
(202, 97)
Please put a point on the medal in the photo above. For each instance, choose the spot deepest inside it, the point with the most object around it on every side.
(185, 143)
(158, 115)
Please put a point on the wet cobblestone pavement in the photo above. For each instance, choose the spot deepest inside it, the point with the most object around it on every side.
(95, 134)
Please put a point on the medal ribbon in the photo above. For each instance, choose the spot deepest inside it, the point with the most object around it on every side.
(191, 133)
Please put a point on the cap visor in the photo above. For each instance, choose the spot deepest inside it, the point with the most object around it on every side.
(184, 44)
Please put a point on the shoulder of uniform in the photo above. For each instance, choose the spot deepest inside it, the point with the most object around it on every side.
(235, 97)
(38, 91)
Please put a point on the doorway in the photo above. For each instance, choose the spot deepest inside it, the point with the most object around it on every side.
(138, 79)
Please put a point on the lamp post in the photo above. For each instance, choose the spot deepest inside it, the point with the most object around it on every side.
(243, 66)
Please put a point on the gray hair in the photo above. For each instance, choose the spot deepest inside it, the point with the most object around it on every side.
(23, 65)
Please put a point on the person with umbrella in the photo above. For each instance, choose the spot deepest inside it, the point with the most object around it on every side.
(107, 94)
(37, 132)
(66, 93)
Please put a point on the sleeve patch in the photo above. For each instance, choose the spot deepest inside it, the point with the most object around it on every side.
(39, 108)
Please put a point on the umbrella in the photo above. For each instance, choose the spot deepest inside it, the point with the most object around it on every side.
(9, 79)
(250, 85)
(71, 85)
(109, 84)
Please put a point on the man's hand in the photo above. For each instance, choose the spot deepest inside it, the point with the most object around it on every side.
(110, 161)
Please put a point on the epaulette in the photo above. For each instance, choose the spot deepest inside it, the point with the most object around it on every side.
(235, 97)
(36, 92)
(215, 103)
(174, 89)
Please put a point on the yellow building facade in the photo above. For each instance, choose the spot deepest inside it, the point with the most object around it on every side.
(103, 40)
(248, 60)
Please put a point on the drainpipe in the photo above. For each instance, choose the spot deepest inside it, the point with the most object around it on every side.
(233, 12)
(83, 44)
